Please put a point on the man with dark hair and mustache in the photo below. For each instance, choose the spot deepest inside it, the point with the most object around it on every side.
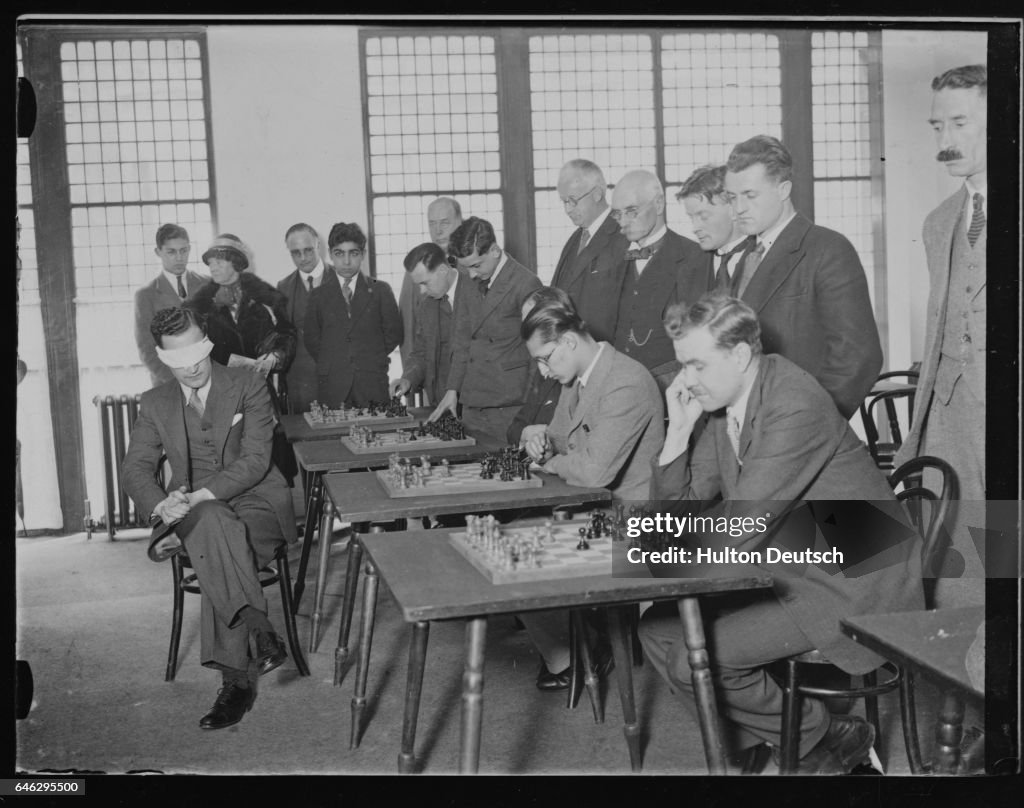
(949, 417)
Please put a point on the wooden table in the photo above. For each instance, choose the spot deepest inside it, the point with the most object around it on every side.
(935, 644)
(296, 427)
(360, 498)
(432, 581)
(318, 457)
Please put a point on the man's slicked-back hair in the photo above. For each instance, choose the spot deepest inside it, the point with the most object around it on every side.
(345, 231)
(729, 319)
(474, 236)
(428, 254)
(168, 231)
(301, 227)
(174, 320)
(589, 171)
(962, 78)
(545, 294)
(708, 182)
(553, 315)
(766, 150)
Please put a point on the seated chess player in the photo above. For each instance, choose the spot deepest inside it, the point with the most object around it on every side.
(775, 447)
(607, 427)
(226, 502)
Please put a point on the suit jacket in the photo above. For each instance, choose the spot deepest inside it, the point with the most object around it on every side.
(795, 447)
(351, 349)
(409, 299)
(939, 228)
(593, 278)
(424, 363)
(238, 407)
(679, 271)
(491, 367)
(607, 433)
(155, 295)
(302, 380)
(811, 298)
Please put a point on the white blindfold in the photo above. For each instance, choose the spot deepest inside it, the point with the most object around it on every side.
(186, 356)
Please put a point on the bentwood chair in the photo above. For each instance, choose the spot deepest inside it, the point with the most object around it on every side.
(928, 511)
(884, 451)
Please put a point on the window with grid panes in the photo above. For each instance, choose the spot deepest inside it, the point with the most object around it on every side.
(432, 130)
(841, 97)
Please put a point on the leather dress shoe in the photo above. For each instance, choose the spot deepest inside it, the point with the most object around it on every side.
(847, 743)
(270, 651)
(549, 682)
(232, 703)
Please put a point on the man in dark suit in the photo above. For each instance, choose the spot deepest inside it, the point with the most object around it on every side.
(805, 282)
(491, 366)
(444, 215)
(591, 269)
(662, 268)
(775, 448)
(228, 505)
(714, 224)
(174, 283)
(352, 324)
(430, 361)
(303, 243)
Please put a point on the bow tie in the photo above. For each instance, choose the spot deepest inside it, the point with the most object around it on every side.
(644, 253)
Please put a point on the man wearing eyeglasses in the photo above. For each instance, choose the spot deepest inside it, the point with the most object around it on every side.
(490, 363)
(590, 269)
(662, 268)
(606, 430)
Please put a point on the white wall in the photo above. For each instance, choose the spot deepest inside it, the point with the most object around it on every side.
(287, 133)
(915, 182)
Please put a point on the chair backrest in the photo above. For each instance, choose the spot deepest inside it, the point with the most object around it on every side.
(908, 483)
(888, 390)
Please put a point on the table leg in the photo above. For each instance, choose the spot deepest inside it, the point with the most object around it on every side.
(413, 689)
(703, 690)
(314, 496)
(473, 696)
(589, 674)
(621, 651)
(363, 662)
(348, 601)
(949, 733)
(326, 530)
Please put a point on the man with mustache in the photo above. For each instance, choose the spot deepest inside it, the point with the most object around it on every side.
(949, 416)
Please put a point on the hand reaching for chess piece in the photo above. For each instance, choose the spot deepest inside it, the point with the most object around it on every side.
(539, 448)
(447, 404)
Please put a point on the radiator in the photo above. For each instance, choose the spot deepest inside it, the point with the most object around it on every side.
(116, 418)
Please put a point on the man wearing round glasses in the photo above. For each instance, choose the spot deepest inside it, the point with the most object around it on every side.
(662, 268)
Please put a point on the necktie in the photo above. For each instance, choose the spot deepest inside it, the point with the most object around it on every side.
(195, 403)
(732, 428)
(446, 305)
(346, 292)
(483, 283)
(643, 253)
(722, 275)
(182, 294)
(309, 282)
(584, 239)
(977, 219)
(746, 270)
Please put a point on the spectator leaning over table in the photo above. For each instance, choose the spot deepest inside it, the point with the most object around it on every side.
(225, 501)
(606, 429)
(775, 448)
(173, 285)
(491, 366)
(429, 363)
(352, 324)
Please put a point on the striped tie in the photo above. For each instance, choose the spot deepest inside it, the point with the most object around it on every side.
(977, 219)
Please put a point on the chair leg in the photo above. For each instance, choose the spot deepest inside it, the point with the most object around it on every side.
(634, 633)
(575, 669)
(789, 755)
(284, 578)
(176, 616)
(908, 716)
(871, 713)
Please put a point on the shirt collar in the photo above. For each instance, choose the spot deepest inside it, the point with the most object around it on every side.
(768, 237)
(203, 391)
(973, 189)
(595, 225)
(497, 269)
(586, 374)
(316, 274)
(652, 238)
(739, 409)
(725, 249)
(451, 289)
(172, 279)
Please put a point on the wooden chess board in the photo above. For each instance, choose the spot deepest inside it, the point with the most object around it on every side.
(556, 559)
(334, 420)
(389, 442)
(465, 478)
